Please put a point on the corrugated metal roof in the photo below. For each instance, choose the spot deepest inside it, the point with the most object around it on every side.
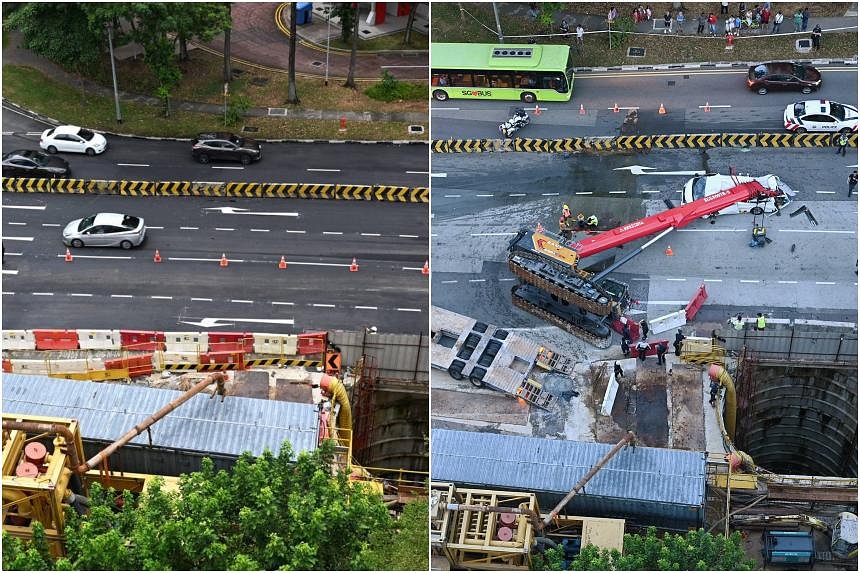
(398, 356)
(107, 411)
(535, 464)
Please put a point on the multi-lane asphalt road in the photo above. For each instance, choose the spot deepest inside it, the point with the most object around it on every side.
(484, 199)
(112, 288)
(683, 93)
(150, 160)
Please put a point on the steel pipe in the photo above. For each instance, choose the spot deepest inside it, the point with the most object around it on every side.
(48, 428)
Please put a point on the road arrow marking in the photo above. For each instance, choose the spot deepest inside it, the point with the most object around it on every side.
(211, 322)
(238, 211)
(641, 170)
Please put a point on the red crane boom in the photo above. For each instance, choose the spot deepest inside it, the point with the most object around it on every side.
(673, 218)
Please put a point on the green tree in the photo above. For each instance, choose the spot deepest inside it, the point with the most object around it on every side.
(404, 544)
(621, 29)
(547, 13)
(350, 76)
(347, 15)
(32, 555)
(292, 95)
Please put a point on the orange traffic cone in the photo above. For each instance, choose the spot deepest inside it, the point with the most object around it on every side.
(581, 109)
(69, 256)
(615, 109)
(425, 270)
(353, 268)
(707, 106)
(157, 257)
(662, 110)
(283, 263)
(537, 109)
(224, 261)
(669, 251)
(539, 228)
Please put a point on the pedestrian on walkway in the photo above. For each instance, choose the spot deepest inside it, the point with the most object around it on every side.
(625, 347)
(642, 350)
(619, 373)
(730, 25)
(798, 20)
(842, 142)
(648, 12)
(852, 183)
(679, 338)
(667, 22)
(701, 20)
(625, 330)
(777, 22)
(715, 389)
(580, 32)
(760, 322)
(680, 19)
(724, 8)
(816, 36)
(661, 353)
(644, 328)
(804, 19)
(712, 23)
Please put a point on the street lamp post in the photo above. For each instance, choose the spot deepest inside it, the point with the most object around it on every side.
(498, 25)
(113, 72)
(327, 40)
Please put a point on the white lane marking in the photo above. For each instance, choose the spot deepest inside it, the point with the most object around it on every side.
(477, 280)
(485, 195)
(614, 192)
(14, 254)
(238, 300)
(411, 268)
(332, 233)
(438, 175)
(259, 230)
(238, 211)
(613, 109)
(43, 294)
(51, 225)
(202, 299)
(713, 280)
(826, 192)
(98, 257)
(30, 239)
(324, 170)
(814, 231)
(161, 297)
(444, 109)
(366, 307)
(133, 164)
(323, 305)
(299, 232)
(448, 282)
(371, 235)
(680, 280)
(453, 196)
(225, 167)
(8, 292)
(224, 229)
(157, 228)
(505, 280)
(79, 294)
(418, 172)
(318, 264)
(187, 259)
(787, 282)
(122, 296)
(824, 283)
(748, 281)
(584, 193)
(409, 309)
(490, 234)
(283, 303)
(10, 272)
(640, 279)
(21, 224)
(549, 194)
(712, 230)
(649, 191)
(517, 195)
(189, 228)
(710, 106)
(408, 236)
(26, 207)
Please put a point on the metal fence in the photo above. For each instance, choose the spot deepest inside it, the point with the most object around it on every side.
(831, 343)
(401, 357)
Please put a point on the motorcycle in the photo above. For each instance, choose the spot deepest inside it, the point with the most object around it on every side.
(519, 120)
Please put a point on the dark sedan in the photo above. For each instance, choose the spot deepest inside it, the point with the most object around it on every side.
(222, 146)
(783, 76)
(29, 163)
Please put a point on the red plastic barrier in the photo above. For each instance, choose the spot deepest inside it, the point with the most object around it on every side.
(696, 302)
(136, 365)
(7, 366)
(652, 349)
(236, 341)
(229, 357)
(56, 339)
(312, 343)
(141, 340)
(618, 327)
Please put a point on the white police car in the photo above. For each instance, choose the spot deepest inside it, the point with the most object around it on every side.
(820, 115)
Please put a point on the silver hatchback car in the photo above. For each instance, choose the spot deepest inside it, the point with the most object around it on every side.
(105, 230)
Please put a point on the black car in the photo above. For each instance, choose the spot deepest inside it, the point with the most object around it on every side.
(221, 146)
(783, 76)
(29, 163)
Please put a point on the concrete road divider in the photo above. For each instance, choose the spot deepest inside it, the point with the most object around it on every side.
(280, 344)
(18, 340)
(192, 342)
(99, 339)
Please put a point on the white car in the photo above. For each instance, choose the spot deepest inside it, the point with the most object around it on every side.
(820, 115)
(706, 185)
(73, 139)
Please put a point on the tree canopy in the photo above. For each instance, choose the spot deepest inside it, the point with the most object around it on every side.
(271, 512)
(697, 550)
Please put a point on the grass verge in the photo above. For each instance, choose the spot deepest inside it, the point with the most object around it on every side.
(32, 89)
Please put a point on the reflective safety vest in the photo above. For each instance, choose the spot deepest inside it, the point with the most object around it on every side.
(592, 221)
(760, 323)
(843, 139)
(738, 323)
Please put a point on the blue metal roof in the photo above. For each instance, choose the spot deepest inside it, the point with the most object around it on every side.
(543, 465)
(106, 411)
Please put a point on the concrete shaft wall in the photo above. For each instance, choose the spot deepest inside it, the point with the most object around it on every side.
(800, 420)
(399, 437)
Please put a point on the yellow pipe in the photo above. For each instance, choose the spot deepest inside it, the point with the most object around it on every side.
(344, 417)
(719, 374)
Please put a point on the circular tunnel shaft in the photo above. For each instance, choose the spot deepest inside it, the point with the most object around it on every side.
(799, 420)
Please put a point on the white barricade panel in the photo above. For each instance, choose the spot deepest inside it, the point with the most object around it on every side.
(609, 395)
(186, 341)
(29, 367)
(179, 357)
(99, 339)
(18, 340)
(668, 321)
(277, 344)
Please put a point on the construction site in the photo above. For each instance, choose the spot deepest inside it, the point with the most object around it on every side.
(122, 407)
(720, 425)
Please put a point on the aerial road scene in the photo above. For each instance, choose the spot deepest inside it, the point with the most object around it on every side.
(644, 316)
(215, 286)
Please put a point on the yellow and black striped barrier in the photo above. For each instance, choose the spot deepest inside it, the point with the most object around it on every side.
(640, 142)
(283, 362)
(390, 193)
(256, 362)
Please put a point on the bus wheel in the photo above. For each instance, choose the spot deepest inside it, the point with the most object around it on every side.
(528, 97)
(440, 95)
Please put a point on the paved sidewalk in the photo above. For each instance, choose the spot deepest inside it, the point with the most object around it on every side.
(18, 56)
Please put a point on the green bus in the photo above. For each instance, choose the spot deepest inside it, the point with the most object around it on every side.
(527, 72)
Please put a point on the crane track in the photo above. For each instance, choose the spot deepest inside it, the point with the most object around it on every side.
(594, 307)
(525, 305)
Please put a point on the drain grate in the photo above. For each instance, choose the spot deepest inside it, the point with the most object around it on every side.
(635, 52)
(316, 64)
(416, 129)
(259, 81)
(250, 129)
(277, 111)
